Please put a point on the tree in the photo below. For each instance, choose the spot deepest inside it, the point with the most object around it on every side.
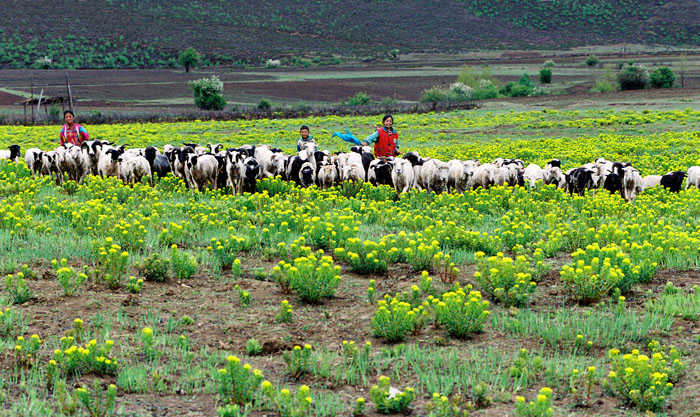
(591, 60)
(188, 58)
(207, 93)
(545, 76)
(633, 77)
(662, 77)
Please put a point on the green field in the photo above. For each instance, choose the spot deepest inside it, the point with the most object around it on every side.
(568, 286)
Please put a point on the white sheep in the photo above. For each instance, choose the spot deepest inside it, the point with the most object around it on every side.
(532, 173)
(651, 181)
(631, 183)
(108, 164)
(460, 174)
(327, 176)
(132, 168)
(433, 176)
(484, 176)
(201, 170)
(264, 155)
(693, 177)
(403, 176)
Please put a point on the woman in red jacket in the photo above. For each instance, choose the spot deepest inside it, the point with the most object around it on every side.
(72, 132)
(385, 139)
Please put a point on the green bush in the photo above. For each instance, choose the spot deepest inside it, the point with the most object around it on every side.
(393, 320)
(549, 64)
(433, 95)
(591, 60)
(633, 77)
(155, 268)
(207, 93)
(460, 313)
(662, 77)
(520, 90)
(545, 76)
(486, 89)
(608, 81)
(526, 81)
(188, 58)
(264, 104)
(359, 99)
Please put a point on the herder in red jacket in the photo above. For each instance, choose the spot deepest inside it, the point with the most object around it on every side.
(72, 132)
(385, 139)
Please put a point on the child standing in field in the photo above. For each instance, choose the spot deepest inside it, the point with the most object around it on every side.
(72, 132)
(305, 138)
(385, 139)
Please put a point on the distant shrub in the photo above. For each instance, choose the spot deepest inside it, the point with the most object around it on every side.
(549, 64)
(633, 77)
(207, 93)
(591, 60)
(662, 77)
(264, 104)
(526, 81)
(608, 81)
(388, 101)
(359, 99)
(188, 58)
(433, 95)
(545, 76)
(485, 90)
(520, 90)
(472, 77)
(460, 92)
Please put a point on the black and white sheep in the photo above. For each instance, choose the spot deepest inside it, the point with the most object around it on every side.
(11, 154)
(201, 170)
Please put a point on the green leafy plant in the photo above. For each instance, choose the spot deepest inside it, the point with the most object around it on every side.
(591, 60)
(155, 268)
(393, 319)
(134, 285)
(148, 343)
(286, 404)
(184, 265)
(285, 314)
(243, 296)
(581, 384)
(633, 77)
(98, 402)
(67, 277)
(253, 347)
(112, 263)
(298, 360)
(18, 289)
(509, 282)
(540, 407)
(312, 277)
(188, 58)
(237, 382)
(461, 313)
(386, 403)
(545, 76)
(643, 381)
(662, 77)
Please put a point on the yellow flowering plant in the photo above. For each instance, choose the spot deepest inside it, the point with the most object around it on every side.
(460, 312)
(286, 404)
(393, 319)
(298, 360)
(643, 381)
(385, 402)
(540, 407)
(237, 383)
(508, 281)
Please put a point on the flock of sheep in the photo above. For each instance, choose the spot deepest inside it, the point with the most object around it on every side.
(240, 168)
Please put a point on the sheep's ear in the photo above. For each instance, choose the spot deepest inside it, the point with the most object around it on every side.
(83, 145)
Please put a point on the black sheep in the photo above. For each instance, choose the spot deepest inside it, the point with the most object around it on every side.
(159, 163)
(673, 180)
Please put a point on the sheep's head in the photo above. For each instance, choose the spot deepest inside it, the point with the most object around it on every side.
(14, 151)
